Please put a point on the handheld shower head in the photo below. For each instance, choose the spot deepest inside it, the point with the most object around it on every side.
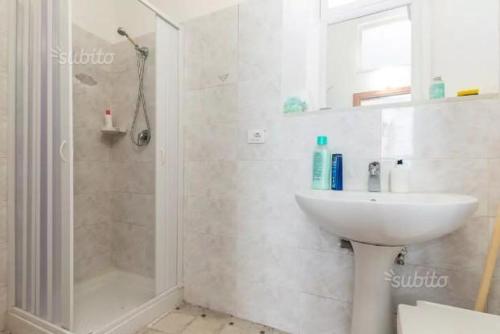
(122, 32)
(143, 50)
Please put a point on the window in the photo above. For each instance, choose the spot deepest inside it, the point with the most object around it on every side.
(385, 44)
(369, 59)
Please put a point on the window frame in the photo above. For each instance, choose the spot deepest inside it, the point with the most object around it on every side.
(358, 9)
(421, 44)
(358, 98)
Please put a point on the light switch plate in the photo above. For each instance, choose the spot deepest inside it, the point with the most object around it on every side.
(257, 136)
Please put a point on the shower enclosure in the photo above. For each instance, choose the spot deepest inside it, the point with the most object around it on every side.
(95, 210)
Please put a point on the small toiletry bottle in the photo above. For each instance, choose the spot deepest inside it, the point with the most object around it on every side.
(400, 178)
(321, 165)
(438, 89)
(108, 119)
(337, 172)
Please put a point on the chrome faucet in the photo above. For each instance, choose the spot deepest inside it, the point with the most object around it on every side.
(374, 177)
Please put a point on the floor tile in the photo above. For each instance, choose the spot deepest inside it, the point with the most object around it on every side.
(173, 323)
(205, 325)
(191, 319)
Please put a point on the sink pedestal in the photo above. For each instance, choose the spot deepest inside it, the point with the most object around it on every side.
(372, 307)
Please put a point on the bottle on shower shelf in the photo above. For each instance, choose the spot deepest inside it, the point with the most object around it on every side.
(108, 120)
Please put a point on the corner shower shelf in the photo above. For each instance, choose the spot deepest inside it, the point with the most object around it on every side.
(113, 132)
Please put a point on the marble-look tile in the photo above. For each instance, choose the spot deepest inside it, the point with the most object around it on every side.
(253, 302)
(494, 187)
(218, 142)
(132, 177)
(91, 145)
(92, 240)
(3, 125)
(205, 325)
(219, 105)
(3, 223)
(312, 237)
(220, 54)
(92, 177)
(260, 35)
(210, 290)
(259, 100)
(328, 274)
(3, 179)
(193, 52)
(493, 132)
(211, 106)
(356, 135)
(494, 296)
(462, 176)
(133, 248)
(192, 109)
(452, 130)
(268, 265)
(243, 227)
(173, 323)
(3, 299)
(138, 209)
(87, 268)
(210, 214)
(460, 290)
(124, 150)
(193, 319)
(4, 269)
(245, 299)
(324, 315)
(203, 178)
(92, 208)
(462, 250)
(88, 109)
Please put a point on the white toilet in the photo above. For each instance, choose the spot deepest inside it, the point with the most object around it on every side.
(429, 318)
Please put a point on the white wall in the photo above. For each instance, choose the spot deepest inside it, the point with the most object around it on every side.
(301, 75)
(183, 10)
(465, 44)
(102, 17)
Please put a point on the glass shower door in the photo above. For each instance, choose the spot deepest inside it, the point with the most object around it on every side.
(43, 161)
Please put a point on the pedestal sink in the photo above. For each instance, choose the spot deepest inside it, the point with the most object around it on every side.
(379, 225)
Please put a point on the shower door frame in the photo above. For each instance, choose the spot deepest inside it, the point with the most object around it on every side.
(169, 271)
(17, 316)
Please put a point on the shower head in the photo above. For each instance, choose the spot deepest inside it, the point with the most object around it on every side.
(122, 32)
(143, 50)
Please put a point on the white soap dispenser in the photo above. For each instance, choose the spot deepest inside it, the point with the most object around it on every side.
(400, 178)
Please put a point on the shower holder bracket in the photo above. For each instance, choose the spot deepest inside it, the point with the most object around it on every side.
(114, 131)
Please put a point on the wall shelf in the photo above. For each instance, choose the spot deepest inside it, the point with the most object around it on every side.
(113, 132)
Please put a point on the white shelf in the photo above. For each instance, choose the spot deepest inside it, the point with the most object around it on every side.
(113, 131)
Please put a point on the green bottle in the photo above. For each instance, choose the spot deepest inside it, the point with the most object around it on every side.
(321, 165)
(438, 89)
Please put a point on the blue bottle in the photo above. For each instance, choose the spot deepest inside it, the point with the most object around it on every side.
(337, 172)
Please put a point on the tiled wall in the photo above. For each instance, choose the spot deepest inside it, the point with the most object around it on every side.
(133, 167)
(92, 89)
(114, 180)
(3, 159)
(248, 248)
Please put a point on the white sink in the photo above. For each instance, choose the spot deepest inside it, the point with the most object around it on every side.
(387, 219)
(379, 225)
